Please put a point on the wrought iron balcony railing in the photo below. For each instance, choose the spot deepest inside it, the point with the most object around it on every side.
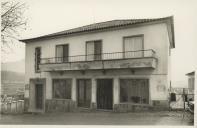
(100, 57)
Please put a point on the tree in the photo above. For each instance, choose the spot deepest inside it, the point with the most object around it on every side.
(12, 21)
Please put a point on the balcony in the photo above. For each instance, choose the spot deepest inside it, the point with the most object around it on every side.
(116, 60)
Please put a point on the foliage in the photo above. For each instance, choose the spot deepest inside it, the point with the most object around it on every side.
(12, 21)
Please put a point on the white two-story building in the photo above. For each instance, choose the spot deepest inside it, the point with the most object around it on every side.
(119, 65)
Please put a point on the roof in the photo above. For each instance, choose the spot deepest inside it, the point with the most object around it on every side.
(190, 73)
(108, 25)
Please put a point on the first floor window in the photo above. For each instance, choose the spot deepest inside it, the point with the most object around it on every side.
(62, 53)
(62, 88)
(134, 91)
(133, 46)
(94, 50)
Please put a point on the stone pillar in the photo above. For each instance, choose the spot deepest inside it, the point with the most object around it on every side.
(73, 102)
(48, 88)
(32, 99)
(74, 90)
(93, 97)
(116, 93)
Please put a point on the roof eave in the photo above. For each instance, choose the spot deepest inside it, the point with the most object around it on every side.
(190, 73)
(170, 23)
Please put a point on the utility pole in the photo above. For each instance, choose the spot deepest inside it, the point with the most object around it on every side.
(184, 98)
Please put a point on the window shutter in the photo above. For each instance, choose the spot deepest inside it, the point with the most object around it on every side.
(132, 44)
(37, 58)
(97, 50)
(59, 53)
(138, 46)
(129, 46)
(65, 53)
(90, 51)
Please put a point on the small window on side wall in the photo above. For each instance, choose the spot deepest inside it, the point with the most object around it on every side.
(37, 58)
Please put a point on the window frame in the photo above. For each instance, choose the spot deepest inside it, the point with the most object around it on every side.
(144, 78)
(53, 97)
(63, 51)
(132, 36)
(94, 49)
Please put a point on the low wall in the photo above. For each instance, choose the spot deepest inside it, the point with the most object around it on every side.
(68, 105)
(14, 107)
(60, 105)
(161, 105)
(26, 104)
(127, 107)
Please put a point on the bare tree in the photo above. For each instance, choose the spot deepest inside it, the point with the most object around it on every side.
(12, 21)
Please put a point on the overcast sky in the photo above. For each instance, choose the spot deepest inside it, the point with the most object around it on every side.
(48, 16)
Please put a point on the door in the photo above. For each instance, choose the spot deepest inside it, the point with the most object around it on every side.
(39, 96)
(84, 93)
(104, 94)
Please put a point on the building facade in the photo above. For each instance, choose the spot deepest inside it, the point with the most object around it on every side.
(191, 82)
(119, 65)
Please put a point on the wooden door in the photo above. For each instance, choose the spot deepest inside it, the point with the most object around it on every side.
(39, 96)
(104, 94)
(84, 93)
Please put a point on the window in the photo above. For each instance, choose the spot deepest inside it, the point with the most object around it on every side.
(37, 58)
(133, 46)
(93, 50)
(62, 88)
(134, 91)
(62, 53)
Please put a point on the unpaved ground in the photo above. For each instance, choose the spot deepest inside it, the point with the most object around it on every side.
(101, 118)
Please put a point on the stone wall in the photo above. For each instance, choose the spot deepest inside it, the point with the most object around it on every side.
(26, 104)
(60, 105)
(161, 105)
(126, 107)
(12, 107)
(93, 106)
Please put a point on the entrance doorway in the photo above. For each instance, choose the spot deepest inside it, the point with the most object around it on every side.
(39, 96)
(105, 94)
(84, 92)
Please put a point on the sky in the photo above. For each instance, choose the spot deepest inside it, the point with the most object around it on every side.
(49, 16)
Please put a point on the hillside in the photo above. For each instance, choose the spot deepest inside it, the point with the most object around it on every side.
(12, 77)
(17, 66)
(9, 76)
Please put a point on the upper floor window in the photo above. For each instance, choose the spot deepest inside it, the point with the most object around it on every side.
(93, 50)
(62, 53)
(133, 46)
(37, 58)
